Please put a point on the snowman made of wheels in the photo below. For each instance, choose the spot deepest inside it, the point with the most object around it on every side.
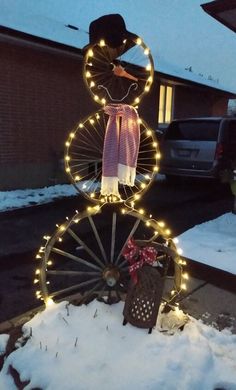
(114, 250)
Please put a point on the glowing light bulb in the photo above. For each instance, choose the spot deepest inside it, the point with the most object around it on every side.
(67, 143)
(37, 272)
(141, 211)
(143, 185)
(90, 53)
(149, 132)
(148, 67)
(81, 125)
(146, 51)
(92, 84)
(137, 100)
(179, 251)
(103, 101)
(72, 135)
(147, 88)
(77, 178)
(102, 43)
(67, 169)
(154, 144)
(88, 74)
(175, 240)
(96, 97)
(137, 196)
(49, 302)
(183, 286)
(62, 228)
(185, 276)
(67, 158)
(139, 41)
(91, 121)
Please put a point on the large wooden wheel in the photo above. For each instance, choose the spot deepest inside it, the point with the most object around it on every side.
(83, 159)
(84, 257)
(118, 75)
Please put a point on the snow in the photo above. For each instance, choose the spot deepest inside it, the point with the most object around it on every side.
(87, 347)
(15, 199)
(184, 40)
(212, 242)
(3, 343)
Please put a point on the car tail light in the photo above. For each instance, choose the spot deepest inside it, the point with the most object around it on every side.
(219, 151)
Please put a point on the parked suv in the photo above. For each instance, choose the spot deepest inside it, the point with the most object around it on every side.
(199, 147)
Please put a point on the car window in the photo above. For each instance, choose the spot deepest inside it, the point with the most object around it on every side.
(232, 131)
(193, 130)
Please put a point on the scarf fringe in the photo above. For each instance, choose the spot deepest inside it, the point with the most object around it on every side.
(109, 186)
(126, 175)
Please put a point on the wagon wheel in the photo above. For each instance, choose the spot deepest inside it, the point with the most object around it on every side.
(84, 256)
(123, 74)
(83, 159)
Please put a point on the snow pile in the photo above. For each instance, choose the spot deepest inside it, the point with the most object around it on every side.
(3, 343)
(73, 348)
(212, 243)
(28, 197)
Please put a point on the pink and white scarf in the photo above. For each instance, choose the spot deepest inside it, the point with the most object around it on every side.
(120, 150)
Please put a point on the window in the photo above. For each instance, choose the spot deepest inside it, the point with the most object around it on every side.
(193, 130)
(165, 104)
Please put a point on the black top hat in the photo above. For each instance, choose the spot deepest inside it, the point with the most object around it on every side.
(111, 28)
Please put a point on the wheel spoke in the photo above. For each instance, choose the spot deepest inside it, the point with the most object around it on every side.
(97, 238)
(113, 236)
(85, 247)
(133, 230)
(72, 273)
(75, 258)
(74, 287)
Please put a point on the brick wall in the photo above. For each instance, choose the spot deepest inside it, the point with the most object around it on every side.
(196, 102)
(42, 97)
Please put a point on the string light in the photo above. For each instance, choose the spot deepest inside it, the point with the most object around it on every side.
(102, 43)
(90, 53)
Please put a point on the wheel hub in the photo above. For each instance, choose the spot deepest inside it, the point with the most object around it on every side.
(111, 275)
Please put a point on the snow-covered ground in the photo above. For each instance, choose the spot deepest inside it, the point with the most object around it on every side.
(10, 200)
(87, 347)
(212, 242)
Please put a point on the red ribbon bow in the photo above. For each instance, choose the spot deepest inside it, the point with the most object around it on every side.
(137, 257)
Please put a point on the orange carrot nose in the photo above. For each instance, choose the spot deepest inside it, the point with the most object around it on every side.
(118, 70)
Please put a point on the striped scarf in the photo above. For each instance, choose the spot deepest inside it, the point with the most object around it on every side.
(120, 150)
